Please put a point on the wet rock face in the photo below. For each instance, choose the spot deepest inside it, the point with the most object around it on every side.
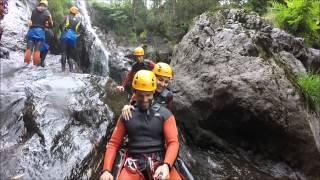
(235, 87)
(52, 124)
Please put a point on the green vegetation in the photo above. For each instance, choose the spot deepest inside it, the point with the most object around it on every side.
(299, 17)
(135, 21)
(310, 84)
(58, 9)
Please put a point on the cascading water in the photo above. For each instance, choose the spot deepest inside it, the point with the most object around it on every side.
(97, 53)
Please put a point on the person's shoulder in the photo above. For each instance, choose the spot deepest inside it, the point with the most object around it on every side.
(149, 61)
(163, 111)
(47, 12)
(167, 92)
(135, 64)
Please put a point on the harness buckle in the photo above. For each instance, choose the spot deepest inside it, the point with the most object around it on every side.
(131, 163)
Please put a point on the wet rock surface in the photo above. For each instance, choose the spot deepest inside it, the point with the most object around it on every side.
(235, 91)
(51, 122)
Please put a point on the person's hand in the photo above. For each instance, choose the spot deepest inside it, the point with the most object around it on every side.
(162, 172)
(120, 88)
(106, 176)
(29, 23)
(126, 112)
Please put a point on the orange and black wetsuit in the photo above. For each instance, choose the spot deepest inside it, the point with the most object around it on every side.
(148, 132)
(137, 66)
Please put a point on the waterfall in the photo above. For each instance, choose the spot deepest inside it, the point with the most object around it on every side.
(98, 55)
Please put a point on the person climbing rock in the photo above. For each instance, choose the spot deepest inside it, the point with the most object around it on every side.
(151, 127)
(140, 64)
(70, 28)
(36, 33)
(162, 95)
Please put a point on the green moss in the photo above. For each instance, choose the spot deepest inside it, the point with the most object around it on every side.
(310, 84)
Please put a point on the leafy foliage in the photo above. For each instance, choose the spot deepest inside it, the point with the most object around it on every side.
(58, 9)
(137, 22)
(299, 17)
(310, 84)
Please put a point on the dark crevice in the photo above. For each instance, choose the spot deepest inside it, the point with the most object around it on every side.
(30, 122)
(58, 138)
(253, 132)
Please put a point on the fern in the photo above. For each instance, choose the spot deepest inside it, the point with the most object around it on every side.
(299, 17)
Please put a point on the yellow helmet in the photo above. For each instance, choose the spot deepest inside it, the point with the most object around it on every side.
(74, 10)
(144, 80)
(163, 69)
(138, 51)
(45, 2)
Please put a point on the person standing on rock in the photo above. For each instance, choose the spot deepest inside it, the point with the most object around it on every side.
(49, 35)
(36, 33)
(151, 128)
(140, 63)
(69, 28)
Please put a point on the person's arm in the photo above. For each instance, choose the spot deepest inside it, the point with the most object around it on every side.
(171, 136)
(80, 29)
(113, 145)
(61, 26)
(128, 78)
(151, 64)
(50, 21)
(29, 23)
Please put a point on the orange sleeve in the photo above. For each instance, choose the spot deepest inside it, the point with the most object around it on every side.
(171, 137)
(114, 145)
(128, 78)
(151, 64)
